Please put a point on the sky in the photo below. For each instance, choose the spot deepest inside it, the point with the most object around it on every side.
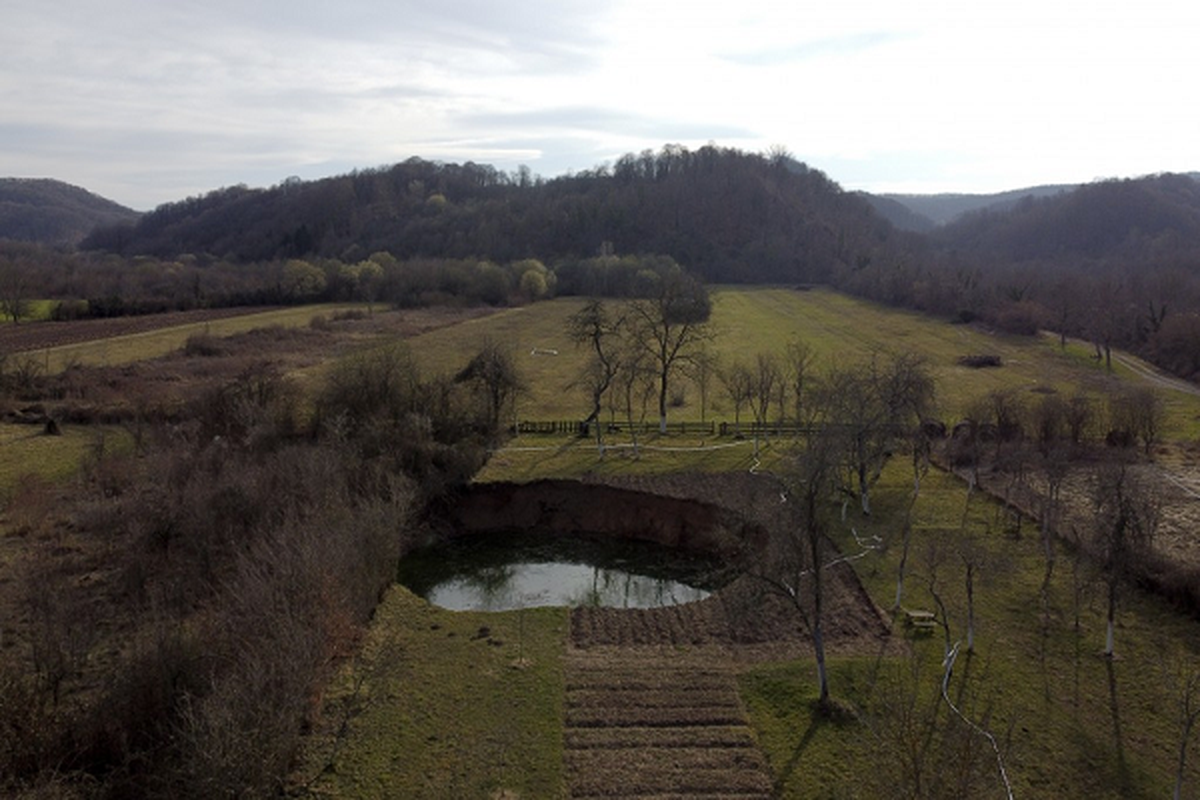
(150, 101)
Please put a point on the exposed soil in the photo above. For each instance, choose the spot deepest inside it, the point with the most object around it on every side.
(727, 514)
(159, 387)
(42, 335)
(659, 723)
(652, 705)
(1173, 475)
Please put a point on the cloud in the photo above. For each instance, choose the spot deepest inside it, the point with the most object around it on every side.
(602, 122)
(195, 95)
(817, 48)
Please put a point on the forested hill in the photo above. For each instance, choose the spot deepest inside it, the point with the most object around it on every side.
(1137, 221)
(944, 208)
(728, 215)
(53, 213)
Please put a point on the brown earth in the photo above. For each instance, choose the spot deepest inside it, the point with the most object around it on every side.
(159, 387)
(41, 335)
(1172, 473)
(652, 703)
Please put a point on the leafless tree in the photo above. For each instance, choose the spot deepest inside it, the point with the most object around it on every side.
(1137, 414)
(635, 386)
(798, 363)
(595, 327)
(493, 371)
(670, 323)
(702, 369)
(739, 385)
(1183, 677)
(872, 408)
(765, 381)
(15, 288)
(797, 557)
(1127, 511)
(1080, 417)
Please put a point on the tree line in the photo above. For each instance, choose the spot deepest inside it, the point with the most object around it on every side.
(1113, 263)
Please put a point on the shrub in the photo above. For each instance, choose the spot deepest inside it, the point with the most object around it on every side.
(204, 345)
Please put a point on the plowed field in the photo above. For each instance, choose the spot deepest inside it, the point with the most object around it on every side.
(44, 335)
(652, 706)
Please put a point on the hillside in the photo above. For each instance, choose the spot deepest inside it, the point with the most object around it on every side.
(731, 216)
(941, 209)
(900, 215)
(1134, 220)
(52, 212)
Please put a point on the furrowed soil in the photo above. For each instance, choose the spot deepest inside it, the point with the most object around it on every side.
(652, 704)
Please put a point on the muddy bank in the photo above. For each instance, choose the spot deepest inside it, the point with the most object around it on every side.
(565, 506)
(727, 515)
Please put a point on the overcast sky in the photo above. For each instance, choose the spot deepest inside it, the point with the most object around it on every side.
(145, 101)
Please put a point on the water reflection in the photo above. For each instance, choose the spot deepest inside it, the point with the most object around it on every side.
(499, 573)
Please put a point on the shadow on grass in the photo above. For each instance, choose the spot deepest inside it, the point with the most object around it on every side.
(834, 715)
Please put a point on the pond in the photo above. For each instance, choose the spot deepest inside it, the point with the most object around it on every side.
(505, 571)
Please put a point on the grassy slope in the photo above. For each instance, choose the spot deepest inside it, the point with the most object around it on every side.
(1068, 726)
(1055, 712)
(452, 704)
(752, 320)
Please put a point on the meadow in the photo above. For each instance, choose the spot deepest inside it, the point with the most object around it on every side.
(1066, 722)
(471, 703)
(838, 328)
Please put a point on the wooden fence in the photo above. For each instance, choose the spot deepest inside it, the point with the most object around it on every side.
(745, 430)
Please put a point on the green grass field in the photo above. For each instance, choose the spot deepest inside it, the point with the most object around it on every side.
(448, 704)
(442, 708)
(747, 321)
(28, 452)
(1068, 723)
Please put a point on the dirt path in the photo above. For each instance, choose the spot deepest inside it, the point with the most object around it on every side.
(1155, 376)
(657, 722)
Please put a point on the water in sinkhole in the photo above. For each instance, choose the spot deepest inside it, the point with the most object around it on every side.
(504, 571)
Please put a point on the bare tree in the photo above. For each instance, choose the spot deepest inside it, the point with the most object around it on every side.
(670, 324)
(635, 384)
(1080, 417)
(1184, 680)
(702, 370)
(798, 556)
(798, 363)
(595, 327)
(1137, 414)
(1127, 512)
(765, 380)
(922, 450)
(872, 408)
(738, 383)
(15, 287)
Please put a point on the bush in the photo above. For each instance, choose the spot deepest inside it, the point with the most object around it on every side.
(204, 345)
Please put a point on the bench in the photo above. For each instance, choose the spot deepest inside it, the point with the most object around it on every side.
(920, 621)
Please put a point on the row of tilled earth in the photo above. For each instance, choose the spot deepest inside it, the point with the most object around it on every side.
(652, 704)
(658, 723)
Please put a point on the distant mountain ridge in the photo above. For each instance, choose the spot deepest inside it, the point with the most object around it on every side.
(52, 212)
(924, 212)
(941, 209)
